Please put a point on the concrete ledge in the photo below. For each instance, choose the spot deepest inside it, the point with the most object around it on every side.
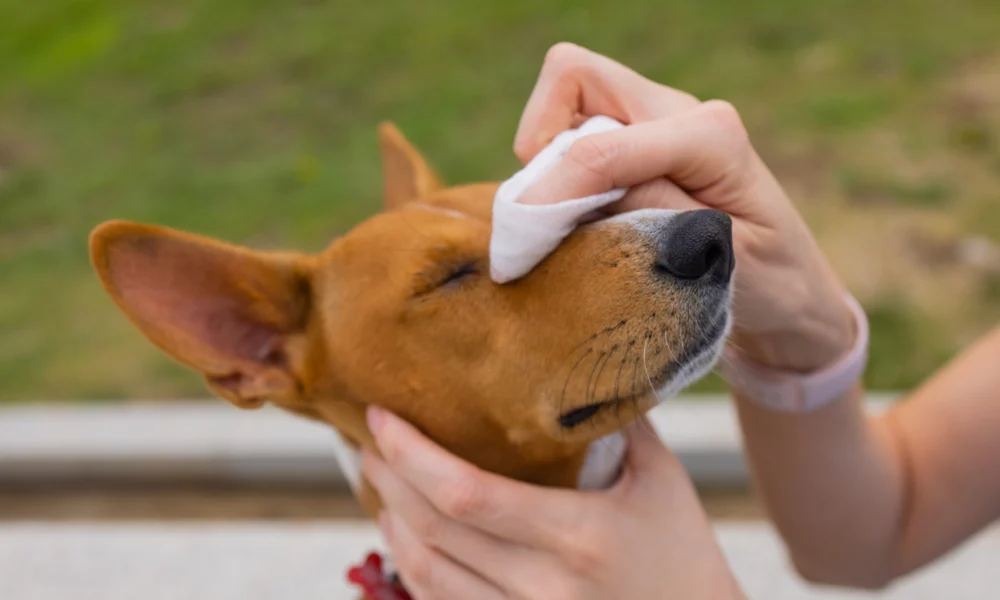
(214, 442)
(236, 561)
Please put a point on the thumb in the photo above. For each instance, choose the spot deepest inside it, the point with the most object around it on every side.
(645, 451)
(652, 475)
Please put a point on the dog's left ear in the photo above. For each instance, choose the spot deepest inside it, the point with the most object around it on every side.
(405, 174)
(235, 315)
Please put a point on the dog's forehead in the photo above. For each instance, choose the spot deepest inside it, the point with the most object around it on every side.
(389, 244)
(441, 210)
(473, 201)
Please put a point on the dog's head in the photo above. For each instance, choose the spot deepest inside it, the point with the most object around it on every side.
(401, 313)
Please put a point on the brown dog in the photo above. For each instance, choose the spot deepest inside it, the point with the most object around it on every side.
(401, 313)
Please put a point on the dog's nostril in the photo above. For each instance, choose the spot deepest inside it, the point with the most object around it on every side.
(695, 244)
(713, 255)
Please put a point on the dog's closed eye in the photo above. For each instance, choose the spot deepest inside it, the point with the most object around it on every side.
(459, 273)
(446, 275)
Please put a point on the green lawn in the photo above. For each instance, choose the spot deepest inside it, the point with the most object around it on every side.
(254, 122)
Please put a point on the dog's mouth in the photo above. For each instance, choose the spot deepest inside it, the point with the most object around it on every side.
(693, 363)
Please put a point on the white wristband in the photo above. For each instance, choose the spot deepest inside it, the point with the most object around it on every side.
(791, 392)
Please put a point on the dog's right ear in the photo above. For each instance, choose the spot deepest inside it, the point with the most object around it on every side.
(405, 174)
(226, 311)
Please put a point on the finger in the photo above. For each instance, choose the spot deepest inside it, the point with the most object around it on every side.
(645, 449)
(574, 81)
(704, 151)
(652, 475)
(657, 193)
(459, 490)
(485, 555)
(429, 575)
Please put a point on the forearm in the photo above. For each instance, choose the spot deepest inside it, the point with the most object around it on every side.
(833, 484)
(831, 479)
(862, 499)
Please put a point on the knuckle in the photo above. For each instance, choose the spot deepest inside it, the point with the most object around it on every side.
(730, 134)
(390, 453)
(429, 527)
(566, 62)
(564, 53)
(593, 154)
(389, 447)
(726, 118)
(464, 498)
(588, 548)
(417, 566)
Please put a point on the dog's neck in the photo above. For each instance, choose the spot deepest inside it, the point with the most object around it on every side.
(584, 466)
(597, 468)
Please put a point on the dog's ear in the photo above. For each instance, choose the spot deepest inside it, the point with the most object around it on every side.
(405, 173)
(226, 311)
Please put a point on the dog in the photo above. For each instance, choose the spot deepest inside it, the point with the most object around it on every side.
(521, 379)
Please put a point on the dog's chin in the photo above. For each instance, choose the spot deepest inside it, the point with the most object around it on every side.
(697, 360)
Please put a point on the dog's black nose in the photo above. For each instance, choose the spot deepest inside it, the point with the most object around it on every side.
(698, 244)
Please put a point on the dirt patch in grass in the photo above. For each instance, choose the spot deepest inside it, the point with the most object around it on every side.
(18, 148)
(908, 210)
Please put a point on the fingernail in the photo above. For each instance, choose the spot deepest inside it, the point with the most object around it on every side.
(376, 418)
(385, 524)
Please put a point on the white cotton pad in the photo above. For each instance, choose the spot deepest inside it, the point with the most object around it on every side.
(523, 235)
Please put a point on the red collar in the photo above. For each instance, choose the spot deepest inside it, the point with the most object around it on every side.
(376, 584)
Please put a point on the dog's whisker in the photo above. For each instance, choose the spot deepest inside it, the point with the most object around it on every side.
(586, 390)
(607, 330)
(635, 371)
(607, 359)
(618, 378)
(666, 342)
(652, 388)
(569, 376)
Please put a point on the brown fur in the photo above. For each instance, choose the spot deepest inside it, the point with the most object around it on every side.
(483, 369)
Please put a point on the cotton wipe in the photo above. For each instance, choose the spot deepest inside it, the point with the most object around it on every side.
(524, 234)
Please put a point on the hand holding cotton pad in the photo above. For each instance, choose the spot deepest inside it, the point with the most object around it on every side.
(523, 235)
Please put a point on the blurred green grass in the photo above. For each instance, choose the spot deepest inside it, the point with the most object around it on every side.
(255, 121)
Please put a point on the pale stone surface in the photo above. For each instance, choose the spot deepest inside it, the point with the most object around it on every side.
(250, 561)
(213, 440)
(256, 561)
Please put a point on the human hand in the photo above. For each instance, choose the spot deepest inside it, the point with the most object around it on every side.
(676, 152)
(457, 532)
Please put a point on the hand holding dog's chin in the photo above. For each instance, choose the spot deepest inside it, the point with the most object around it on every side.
(457, 532)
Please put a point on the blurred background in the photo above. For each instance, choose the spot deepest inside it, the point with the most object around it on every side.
(255, 122)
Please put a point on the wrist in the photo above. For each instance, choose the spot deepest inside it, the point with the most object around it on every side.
(783, 389)
(820, 336)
